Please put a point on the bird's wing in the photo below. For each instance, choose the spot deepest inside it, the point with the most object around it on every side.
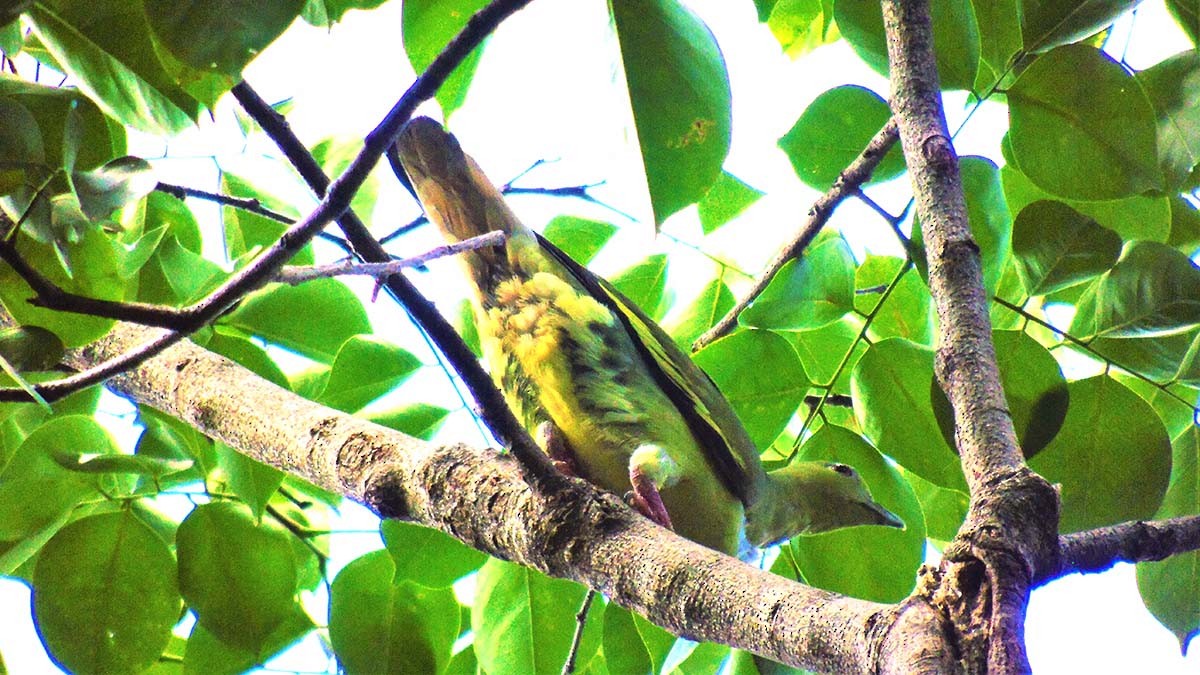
(717, 429)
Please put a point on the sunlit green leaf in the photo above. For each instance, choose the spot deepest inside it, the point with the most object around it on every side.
(808, 293)
(833, 131)
(679, 91)
(1112, 457)
(766, 396)
(1082, 128)
(1057, 247)
(105, 595)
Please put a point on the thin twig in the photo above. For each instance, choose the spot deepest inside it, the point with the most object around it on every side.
(846, 184)
(298, 274)
(580, 622)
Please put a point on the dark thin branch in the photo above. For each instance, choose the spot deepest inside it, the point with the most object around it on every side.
(1139, 541)
(58, 389)
(250, 205)
(576, 640)
(857, 173)
(493, 408)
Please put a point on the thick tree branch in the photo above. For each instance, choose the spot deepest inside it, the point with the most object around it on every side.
(1009, 535)
(847, 184)
(573, 531)
(1139, 541)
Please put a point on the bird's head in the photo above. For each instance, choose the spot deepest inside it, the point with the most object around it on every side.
(810, 498)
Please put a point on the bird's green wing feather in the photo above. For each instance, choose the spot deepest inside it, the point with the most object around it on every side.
(711, 420)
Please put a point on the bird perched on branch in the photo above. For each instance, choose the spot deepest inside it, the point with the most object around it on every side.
(609, 393)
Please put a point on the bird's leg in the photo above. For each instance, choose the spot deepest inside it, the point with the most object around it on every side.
(556, 446)
(650, 469)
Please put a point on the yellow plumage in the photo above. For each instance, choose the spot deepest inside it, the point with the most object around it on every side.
(574, 356)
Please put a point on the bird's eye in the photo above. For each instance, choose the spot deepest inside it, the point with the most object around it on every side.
(843, 469)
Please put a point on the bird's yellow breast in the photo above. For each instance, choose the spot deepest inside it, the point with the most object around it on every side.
(553, 348)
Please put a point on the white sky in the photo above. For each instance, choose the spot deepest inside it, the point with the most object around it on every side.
(548, 87)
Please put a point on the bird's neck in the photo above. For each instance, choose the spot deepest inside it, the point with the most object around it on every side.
(780, 513)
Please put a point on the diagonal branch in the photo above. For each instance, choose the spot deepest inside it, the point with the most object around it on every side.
(847, 184)
(480, 497)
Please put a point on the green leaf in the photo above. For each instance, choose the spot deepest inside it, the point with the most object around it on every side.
(364, 369)
(524, 620)
(1153, 290)
(679, 91)
(1046, 24)
(1137, 217)
(821, 351)
(955, 34)
(86, 462)
(278, 314)
(29, 503)
(1176, 415)
(695, 658)
(105, 596)
(239, 576)
(28, 348)
(246, 354)
(1057, 247)
(1171, 588)
(233, 31)
(580, 238)
(108, 188)
(644, 283)
(1081, 127)
(764, 396)
(891, 388)
(808, 293)
(335, 155)
(209, 655)
(801, 26)
(175, 275)
(251, 480)
(1034, 388)
(727, 198)
(633, 644)
(426, 556)
(1112, 457)
(418, 419)
(379, 624)
(873, 563)
(1185, 226)
(427, 26)
(325, 13)
(68, 433)
(713, 302)
(246, 231)
(1163, 358)
(832, 132)
(106, 47)
(97, 275)
(1187, 15)
(999, 41)
(944, 509)
(1173, 87)
(907, 312)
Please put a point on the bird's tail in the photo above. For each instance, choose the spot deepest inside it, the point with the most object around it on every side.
(457, 196)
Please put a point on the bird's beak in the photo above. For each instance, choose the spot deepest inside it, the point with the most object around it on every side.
(885, 517)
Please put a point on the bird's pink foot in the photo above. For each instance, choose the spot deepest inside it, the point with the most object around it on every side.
(646, 498)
